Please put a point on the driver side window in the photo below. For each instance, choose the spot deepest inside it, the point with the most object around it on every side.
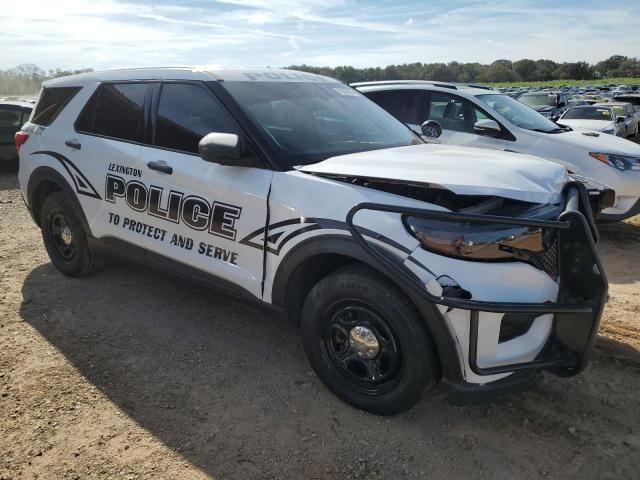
(452, 112)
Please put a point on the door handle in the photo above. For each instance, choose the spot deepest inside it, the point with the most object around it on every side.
(73, 143)
(160, 166)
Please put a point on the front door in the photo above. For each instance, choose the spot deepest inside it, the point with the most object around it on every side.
(457, 116)
(197, 211)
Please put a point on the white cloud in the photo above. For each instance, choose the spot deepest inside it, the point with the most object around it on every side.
(112, 33)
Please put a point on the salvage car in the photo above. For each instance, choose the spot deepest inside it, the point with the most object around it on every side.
(402, 263)
(547, 104)
(594, 118)
(476, 116)
(628, 113)
(12, 116)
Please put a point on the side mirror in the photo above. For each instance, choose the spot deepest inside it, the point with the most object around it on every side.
(224, 149)
(555, 118)
(487, 128)
(621, 120)
(431, 129)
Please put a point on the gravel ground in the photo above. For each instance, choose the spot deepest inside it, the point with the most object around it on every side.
(134, 374)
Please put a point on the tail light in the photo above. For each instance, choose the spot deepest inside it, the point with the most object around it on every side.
(20, 139)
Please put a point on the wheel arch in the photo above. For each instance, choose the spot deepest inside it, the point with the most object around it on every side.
(44, 181)
(312, 259)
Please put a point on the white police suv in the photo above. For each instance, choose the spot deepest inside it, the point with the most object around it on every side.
(403, 263)
(476, 116)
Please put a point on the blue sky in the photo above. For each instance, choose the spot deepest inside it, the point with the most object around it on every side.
(121, 33)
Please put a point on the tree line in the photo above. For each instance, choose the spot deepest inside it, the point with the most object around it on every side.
(26, 79)
(525, 70)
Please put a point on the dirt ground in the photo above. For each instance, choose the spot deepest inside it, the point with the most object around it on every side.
(134, 374)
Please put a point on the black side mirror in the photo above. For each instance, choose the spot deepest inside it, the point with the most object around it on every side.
(431, 129)
(621, 120)
(224, 149)
(487, 128)
(555, 118)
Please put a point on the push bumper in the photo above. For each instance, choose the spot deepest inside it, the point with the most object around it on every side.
(582, 289)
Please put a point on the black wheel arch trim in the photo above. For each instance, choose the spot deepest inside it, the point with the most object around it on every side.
(42, 174)
(336, 244)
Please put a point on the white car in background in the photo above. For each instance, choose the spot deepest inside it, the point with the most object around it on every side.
(590, 117)
(475, 116)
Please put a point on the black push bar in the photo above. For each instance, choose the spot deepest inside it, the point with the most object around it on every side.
(576, 299)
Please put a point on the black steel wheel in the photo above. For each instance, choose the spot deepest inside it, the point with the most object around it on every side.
(360, 344)
(366, 341)
(65, 237)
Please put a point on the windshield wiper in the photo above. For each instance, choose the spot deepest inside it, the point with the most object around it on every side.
(559, 129)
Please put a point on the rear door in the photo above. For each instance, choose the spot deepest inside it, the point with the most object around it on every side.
(457, 116)
(107, 141)
(203, 209)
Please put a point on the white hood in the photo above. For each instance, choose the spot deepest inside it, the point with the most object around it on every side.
(592, 141)
(588, 124)
(463, 170)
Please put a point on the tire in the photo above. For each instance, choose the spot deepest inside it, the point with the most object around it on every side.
(65, 238)
(338, 316)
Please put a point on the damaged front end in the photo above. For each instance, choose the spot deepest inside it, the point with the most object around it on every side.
(558, 239)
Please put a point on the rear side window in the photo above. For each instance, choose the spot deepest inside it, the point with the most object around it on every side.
(9, 124)
(52, 101)
(403, 104)
(116, 111)
(186, 113)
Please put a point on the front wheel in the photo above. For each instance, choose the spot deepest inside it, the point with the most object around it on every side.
(366, 342)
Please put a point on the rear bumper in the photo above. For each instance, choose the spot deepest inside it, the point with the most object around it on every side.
(582, 293)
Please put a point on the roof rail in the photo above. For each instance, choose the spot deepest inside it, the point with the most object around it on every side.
(404, 82)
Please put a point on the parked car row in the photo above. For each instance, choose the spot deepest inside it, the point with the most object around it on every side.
(476, 116)
(402, 262)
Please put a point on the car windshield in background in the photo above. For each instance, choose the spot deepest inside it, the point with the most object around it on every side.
(619, 109)
(538, 100)
(518, 113)
(307, 122)
(588, 113)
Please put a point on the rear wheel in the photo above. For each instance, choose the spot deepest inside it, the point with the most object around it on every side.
(366, 342)
(65, 238)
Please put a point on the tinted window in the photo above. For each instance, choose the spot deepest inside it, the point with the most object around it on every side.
(51, 103)
(186, 113)
(115, 110)
(402, 104)
(451, 112)
(9, 123)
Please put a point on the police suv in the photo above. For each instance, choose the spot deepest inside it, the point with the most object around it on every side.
(403, 263)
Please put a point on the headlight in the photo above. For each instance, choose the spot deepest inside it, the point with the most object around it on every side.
(476, 241)
(621, 162)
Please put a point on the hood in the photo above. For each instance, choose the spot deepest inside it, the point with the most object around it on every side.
(583, 124)
(463, 170)
(593, 141)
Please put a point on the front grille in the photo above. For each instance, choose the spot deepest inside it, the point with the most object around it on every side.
(549, 259)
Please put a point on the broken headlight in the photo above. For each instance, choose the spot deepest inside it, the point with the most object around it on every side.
(494, 242)
(476, 241)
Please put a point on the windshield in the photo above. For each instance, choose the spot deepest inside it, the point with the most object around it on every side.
(307, 122)
(519, 114)
(538, 100)
(619, 109)
(588, 113)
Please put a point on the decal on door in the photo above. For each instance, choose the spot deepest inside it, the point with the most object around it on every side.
(82, 184)
(199, 214)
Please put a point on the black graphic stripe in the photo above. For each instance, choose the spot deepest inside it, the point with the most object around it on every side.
(82, 183)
